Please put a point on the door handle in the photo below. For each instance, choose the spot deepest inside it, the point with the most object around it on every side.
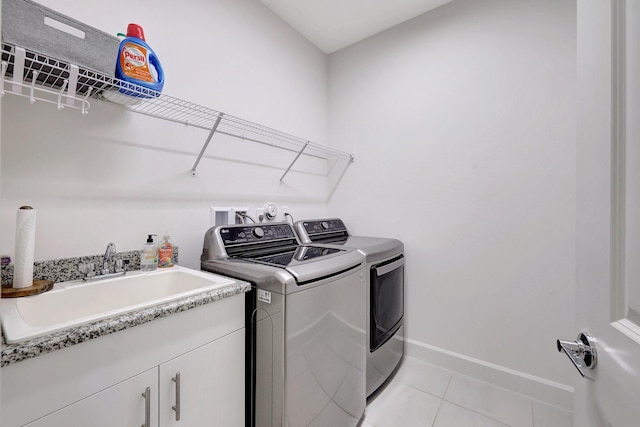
(382, 270)
(176, 408)
(147, 407)
(582, 353)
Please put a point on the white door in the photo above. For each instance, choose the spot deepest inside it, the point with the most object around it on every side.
(205, 386)
(608, 210)
(131, 403)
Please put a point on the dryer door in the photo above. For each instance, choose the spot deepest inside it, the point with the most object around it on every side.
(387, 300)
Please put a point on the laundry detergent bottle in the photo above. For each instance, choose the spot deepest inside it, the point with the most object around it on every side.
(138, 64)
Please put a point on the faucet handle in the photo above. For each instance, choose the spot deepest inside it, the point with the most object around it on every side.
(89, 269)
(119, 266)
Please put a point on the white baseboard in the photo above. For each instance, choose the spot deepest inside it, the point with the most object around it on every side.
(547, 391)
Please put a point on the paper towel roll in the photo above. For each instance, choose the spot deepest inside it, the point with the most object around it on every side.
(25, 247)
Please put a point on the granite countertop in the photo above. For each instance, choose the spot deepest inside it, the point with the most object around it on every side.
(14, 353)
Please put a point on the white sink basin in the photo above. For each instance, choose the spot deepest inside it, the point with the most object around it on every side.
(70, 304)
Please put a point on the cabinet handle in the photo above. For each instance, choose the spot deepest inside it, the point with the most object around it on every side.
(147, 407)
(176, 408)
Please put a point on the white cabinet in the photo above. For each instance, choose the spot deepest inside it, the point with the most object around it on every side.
(201, 385)
(100, 382)
(211, 385)
(120, 405)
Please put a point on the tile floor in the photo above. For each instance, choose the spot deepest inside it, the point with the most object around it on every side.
(423, 395)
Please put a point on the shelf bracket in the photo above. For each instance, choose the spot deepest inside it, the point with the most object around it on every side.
(294, 161)
(4, 70)
(61, 94)
(74, 70)
(18, 69)
(34, 77)
(206, 143)
(85, 101)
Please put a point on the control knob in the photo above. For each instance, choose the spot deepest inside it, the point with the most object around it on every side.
(258, 233)
(324, 225)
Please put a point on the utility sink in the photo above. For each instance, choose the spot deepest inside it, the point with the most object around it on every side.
(71, 304)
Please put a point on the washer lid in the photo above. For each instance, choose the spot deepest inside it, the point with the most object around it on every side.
(374, 248)
(290, 257)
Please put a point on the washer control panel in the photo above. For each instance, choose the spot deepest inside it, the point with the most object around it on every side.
(245, 234)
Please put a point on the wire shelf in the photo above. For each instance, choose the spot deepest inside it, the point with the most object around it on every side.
(42, 78)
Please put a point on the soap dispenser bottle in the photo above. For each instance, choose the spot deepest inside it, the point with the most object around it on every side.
(149, 255)
(165, 253)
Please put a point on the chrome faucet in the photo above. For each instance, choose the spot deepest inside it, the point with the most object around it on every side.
(91, 272)
(108, 255)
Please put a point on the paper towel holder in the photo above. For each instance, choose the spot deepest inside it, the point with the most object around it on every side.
(38, 287)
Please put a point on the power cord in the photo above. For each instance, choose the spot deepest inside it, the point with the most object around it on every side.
(243, 216)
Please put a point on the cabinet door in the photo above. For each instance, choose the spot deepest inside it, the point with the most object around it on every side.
(211, 385)
(120, 405)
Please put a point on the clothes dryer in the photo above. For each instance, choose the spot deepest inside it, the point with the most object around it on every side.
(385, 292)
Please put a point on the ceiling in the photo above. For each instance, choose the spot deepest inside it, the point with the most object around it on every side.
(334, 24)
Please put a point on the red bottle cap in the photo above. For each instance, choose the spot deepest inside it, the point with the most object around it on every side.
(135, 30)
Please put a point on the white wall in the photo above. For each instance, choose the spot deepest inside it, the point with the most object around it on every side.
(463, 121)
(116, 176)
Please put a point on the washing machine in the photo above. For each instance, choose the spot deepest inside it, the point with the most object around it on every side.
(385, 292)
(306, 340)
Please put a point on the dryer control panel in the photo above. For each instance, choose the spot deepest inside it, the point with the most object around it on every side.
(324, 226)
(320, 228)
